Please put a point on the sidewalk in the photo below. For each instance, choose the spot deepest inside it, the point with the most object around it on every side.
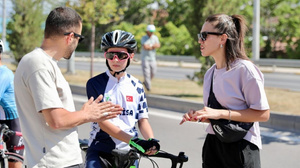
(278, 121)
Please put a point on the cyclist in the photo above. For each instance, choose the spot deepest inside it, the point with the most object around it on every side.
(121, 88)
(8, 109)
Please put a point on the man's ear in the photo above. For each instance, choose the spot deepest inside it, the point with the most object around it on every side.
(69, 38)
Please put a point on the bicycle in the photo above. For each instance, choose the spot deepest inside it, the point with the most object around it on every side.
(126, 159)
(5, 134)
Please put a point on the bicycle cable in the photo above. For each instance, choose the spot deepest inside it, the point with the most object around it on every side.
(152, 161)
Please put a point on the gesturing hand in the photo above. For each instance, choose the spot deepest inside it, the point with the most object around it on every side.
(193, 115)
(97, 112)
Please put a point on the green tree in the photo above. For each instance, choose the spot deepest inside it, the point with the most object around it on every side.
(178, 11)
(179, 41)
(96, 12)
(280, 24)
(24, 29)
(137, 12)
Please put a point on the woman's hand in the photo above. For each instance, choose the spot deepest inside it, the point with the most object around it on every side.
(202, 115)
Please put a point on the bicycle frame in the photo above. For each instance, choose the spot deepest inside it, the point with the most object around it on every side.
(122, 156)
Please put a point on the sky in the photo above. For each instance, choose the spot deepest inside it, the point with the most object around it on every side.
(8, 12)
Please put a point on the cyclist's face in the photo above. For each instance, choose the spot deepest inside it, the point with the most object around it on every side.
(116, 64)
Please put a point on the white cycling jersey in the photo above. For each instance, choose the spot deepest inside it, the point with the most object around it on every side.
(128, 92)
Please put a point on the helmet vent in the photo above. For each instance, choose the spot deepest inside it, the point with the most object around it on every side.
(116, 36)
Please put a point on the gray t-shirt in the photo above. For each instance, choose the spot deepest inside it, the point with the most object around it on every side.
(239, 88)
(39, 84)
(149, 55)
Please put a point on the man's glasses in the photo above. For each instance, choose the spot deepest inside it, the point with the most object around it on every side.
(81, 37)
(203, 35)
(120, 55)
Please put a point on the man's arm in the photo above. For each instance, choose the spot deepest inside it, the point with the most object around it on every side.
(91, 111)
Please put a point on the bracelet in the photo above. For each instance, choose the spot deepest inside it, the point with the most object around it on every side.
(229, 114)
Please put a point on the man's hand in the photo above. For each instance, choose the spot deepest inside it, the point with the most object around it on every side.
(149, 147)
(97, 112)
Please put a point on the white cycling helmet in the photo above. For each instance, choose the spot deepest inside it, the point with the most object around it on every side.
(1, 46)
(118, 38)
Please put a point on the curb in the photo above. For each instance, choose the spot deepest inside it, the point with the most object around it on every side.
(278, 121)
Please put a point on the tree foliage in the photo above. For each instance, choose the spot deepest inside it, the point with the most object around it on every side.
(178, 42)
(280, 25)
(97, 12)
(25, 32)
(136, 12)
(177, 22)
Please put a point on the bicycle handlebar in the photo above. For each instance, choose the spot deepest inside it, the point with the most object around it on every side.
(180, 158)
(6, 133)
(123, 156)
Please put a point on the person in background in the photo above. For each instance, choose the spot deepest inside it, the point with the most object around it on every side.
(8, 110)
(121, 88)
(238, 86)
(44, 99)
(150, 43)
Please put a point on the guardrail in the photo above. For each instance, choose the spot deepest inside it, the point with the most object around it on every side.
(289, 63)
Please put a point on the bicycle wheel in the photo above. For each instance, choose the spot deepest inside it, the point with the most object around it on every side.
(14, 156)
(10, 156)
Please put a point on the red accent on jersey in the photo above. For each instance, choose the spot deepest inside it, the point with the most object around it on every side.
(129, 98)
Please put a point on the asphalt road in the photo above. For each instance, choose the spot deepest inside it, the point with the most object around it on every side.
(288, 81)
(280, 148)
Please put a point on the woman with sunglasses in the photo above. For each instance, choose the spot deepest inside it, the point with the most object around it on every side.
(121, 88)
(237, 85)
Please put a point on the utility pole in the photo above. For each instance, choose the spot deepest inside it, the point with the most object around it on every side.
(71, 65)
(256, 30)
(4, 23)
(71, 62)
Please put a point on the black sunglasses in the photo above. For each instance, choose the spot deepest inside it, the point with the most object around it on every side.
(81, 37)
(203, 35)
(120, 54)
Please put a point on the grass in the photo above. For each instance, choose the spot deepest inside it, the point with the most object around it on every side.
(280, 100)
